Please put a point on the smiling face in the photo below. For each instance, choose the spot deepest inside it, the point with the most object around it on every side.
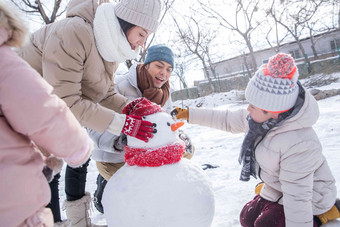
(259, 115)
(137, 36)
(160, 72)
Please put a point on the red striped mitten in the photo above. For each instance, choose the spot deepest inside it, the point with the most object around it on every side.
(136, 127)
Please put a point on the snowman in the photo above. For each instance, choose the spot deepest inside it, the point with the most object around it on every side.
(156, 188)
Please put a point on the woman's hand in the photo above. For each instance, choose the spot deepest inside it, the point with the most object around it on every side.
(136, 127)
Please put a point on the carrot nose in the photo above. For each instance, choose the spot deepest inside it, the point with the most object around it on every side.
(177, 125)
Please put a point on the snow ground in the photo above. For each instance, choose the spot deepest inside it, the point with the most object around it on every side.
(222, 148)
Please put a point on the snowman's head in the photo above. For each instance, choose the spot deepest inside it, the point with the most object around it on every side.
(166, 127)
(166, 131)
(164, 148)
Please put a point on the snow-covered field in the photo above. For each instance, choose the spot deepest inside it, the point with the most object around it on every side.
(222, 149)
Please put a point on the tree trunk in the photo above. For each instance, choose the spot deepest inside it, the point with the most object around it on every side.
(207, 73)
(313, 44)
(252, 56)
(247, 66)
(307, 61)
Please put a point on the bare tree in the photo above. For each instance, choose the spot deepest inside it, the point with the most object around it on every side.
(182, 63)
(279, 38)
(336, 13)
(196, 41)
(324, 20)
(310, 27)
(293, 15)
(47, 11)
(179, 71)
(329, 19)
(243, 22)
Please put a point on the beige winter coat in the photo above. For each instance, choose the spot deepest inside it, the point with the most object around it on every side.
(290, 161)
(65, 54)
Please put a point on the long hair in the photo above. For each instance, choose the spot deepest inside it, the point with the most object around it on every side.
(125, 26)
(11, 22)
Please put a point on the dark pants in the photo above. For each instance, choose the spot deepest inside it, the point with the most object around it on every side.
(260, 212)
(75, 180)
(54, 203)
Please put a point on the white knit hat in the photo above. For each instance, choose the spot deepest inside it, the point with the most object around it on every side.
(144, 13)
(274, 87)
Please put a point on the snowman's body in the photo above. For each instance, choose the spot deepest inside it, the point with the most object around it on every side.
(169, 195)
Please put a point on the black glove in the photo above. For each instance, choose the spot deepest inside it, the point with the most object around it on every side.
(189, 150)
(120, 142)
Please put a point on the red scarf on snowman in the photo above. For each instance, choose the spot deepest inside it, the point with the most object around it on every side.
(165, 155)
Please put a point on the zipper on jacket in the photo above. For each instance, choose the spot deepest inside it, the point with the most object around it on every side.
(259, 174)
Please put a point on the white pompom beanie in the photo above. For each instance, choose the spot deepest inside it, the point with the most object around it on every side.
(274, 87)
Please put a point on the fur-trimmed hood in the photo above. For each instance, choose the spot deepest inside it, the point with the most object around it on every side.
(12, 31)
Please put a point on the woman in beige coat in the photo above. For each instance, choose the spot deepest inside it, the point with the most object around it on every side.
(280, 147)
(78, 57)
(31, 116)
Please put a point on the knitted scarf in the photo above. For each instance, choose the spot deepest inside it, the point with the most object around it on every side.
(153, 157)
(145, 85)
(257, 131)
(111, 42)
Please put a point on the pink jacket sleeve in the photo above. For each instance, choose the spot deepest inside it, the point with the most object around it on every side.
(32, 110)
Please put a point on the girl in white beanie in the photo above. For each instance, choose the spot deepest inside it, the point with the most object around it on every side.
(78, 56)
(280, 147)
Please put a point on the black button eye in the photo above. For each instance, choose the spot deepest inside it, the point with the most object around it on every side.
(144, 117)
(168, 123)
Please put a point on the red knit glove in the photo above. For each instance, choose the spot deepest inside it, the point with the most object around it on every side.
(134, 126)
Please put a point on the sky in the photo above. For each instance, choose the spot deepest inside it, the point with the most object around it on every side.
(222, 149)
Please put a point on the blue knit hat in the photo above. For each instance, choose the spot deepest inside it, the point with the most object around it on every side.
(159, 53)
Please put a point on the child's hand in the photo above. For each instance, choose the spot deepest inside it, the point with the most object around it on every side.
(258, 188)
(180, 113)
